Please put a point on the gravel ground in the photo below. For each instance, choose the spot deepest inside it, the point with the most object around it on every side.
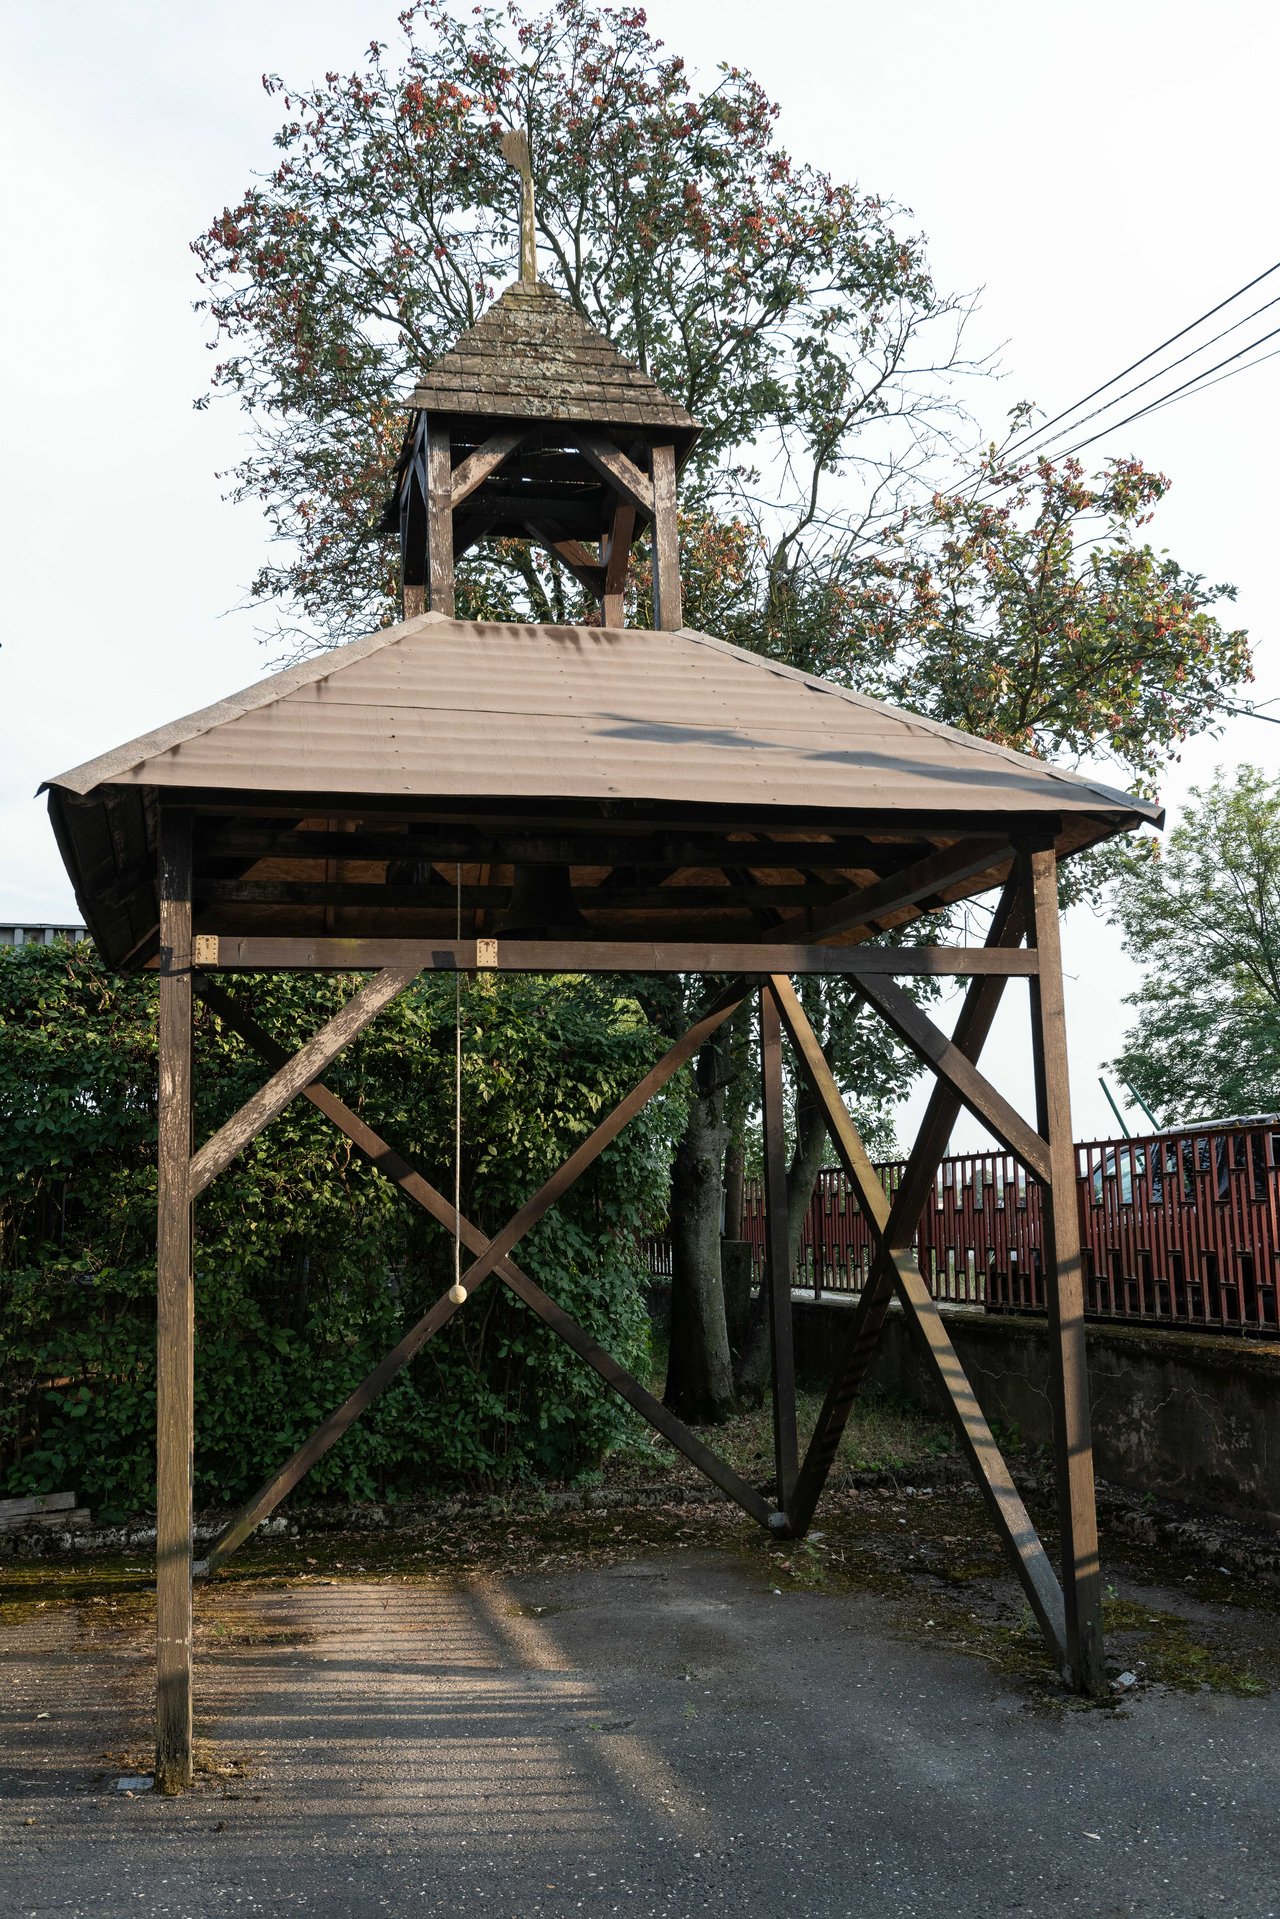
(649, 1733)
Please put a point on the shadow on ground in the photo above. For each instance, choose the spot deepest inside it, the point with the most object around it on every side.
(650, 1714)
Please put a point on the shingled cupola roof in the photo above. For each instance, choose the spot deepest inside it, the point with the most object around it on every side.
(532, 356)
(533, 426)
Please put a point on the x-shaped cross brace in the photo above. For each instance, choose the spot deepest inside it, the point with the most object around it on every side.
(491, 1255)
(892, 1222)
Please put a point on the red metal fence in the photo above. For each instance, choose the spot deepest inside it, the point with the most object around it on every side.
(1182, 1228)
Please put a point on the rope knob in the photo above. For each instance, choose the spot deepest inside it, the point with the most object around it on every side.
(457, 1294)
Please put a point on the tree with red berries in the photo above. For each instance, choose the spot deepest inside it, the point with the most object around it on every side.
(796, 318)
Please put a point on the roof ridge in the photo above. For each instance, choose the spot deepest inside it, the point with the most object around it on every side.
(91, 773)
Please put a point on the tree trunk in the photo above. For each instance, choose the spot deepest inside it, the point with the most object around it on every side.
(802, 1175)
(699, 1370)
(735, 1179)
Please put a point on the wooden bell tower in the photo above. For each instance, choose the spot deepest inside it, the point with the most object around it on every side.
(534, 427)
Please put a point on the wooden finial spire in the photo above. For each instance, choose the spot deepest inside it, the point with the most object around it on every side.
(515, 151)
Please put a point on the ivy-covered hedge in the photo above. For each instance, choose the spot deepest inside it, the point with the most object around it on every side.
(309, 1264)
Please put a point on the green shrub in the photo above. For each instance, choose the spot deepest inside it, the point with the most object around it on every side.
(309, 1265)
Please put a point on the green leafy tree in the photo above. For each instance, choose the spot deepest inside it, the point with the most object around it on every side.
(788, 311)
(1029, 609)
(1201, 916)
(309, 1265)
(796, 317)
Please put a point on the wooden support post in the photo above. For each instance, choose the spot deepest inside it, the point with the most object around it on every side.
(617, 554)
(777, 1275)
(413, 529)
(668, 608)
(1064, 1285)
(175, 1315)
(439, 520)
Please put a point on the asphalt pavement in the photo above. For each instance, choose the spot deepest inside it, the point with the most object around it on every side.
(662, 1736)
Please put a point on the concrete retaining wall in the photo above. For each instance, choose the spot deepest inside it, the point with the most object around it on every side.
(1182, 1415)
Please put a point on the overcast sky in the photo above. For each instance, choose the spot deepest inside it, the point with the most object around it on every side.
(1103, 171)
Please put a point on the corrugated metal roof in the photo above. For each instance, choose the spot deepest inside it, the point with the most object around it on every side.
(455, 709)
(532, 356)
(498, 740)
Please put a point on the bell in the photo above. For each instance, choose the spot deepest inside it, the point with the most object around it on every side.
(541, 906)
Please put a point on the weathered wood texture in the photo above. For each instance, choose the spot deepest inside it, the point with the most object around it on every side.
(305, 1065)
(532, 356)
(252, 952)
(614, 467)
(175, 1316)
(777, 1278)
(476, 468)
(1064, 1286)
(895, 1267)
(439, 520)
(668, 599)
(489, 1256)
(617, 555)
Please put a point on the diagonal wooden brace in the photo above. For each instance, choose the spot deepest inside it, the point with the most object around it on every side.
(390, 1163)
(296, 1073)
(895, 1267)
(972, 1027)
(952, 1064)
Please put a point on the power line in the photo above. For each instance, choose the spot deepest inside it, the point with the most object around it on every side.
(1179, 392)
(1196, 383)
(1037, 431)
(1161, 371)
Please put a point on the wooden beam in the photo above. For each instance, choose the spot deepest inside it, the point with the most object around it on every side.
(930, 1044)
(521, 814)
(584, 565)
(668, 598)
(393, 1166)
(175, 1315)
(972, 1030)
(476, 468)
(617, 558)
(439, 493)
(438, 891)
(613, 466)
(924, 878)
(972, 1027)
(660, 1417)
(518, 846)
(1009, 1514)
(777, 1277)
(489, 1256)
(263, 952)
(1064, 1286)
(306, 1064)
